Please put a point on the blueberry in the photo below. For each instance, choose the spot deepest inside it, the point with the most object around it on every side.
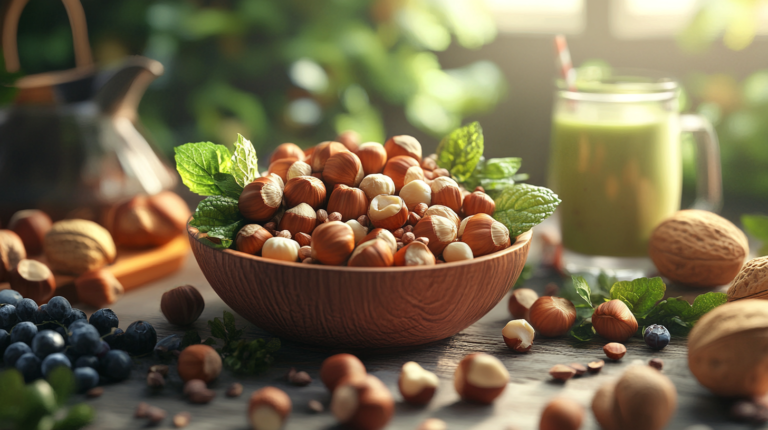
(59, 308)
(85, 340)
(115, 340)
(140, 338)
(29, 366)
(10, 297)
(166, 346)
(656, 336)
(75, 315)
(53, 361)
(77, 324)
(87, 361)
(104, 320)
(86, 378)
(14, 351)
(41, 315)
(47, 342)
(7, 316)
(25, 310)
(5, 340)
(23, 332)
(104, 348)
(116, 365)
(63, 333)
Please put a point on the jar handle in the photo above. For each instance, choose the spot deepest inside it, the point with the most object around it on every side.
(83, 57)
(709, 182)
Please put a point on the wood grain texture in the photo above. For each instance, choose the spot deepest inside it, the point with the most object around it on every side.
(360, 307)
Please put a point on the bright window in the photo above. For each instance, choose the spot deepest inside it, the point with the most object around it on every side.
(539, 16)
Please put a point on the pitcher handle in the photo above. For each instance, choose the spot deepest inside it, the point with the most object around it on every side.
(76, 14)
(709, 182)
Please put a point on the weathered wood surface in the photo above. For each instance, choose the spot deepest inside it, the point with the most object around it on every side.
(519, 407)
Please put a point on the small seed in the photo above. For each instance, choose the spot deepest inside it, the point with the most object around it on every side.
(363, 220)
(400, 245)
(579, 368)
(749, 412)
(614, 350)
(413, 218)
(181, 420)
(408, 229)
(201, 397)
(94, 392)
(270, 226)
(398, 233)
(301, 379)
(334, 216)
(562, 372)
(155, 380)
(421, 209)
(141, 410)
(155, 415)
(408, 238)
(595, 366)
(656, 363)
(285, 233)
(423, 240)
(159, 368)
(235, 390)
(315, 406)
(194, 385)
(322, 216)
(442, 172)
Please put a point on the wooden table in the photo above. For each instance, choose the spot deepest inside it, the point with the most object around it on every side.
(518, 408)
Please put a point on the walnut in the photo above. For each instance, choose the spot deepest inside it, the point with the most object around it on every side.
(751, 282)
(77, 246)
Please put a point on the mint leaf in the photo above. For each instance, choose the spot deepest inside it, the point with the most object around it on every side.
(217, 329)
(639, 295)
(703, 304)
(244, 162)
(460, 151)
(582, 289)
(220, 217)
(583, 331)
(500, 168)
(78, 416)
(227, 185)
(197, 163)
(523, 206)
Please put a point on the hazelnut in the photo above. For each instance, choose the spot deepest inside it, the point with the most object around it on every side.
(155, 415)
(363, 404)
(377, 184)
(11, 252)
(271, 227)
(520, 302)
(480, 378)
(614, 321)
(261, 199)
(408, 238)
(347, 201)
(305, 252)
(416, 192)
(443, 211)
(281, 167)
(374, 253)
(457, 251)
(31, 225)
(421, 210)
(398, 234)
(341, 366)
(141, 410)
(446, 192)
(387, 212)
(159, 368)
(484, 234)
(428, 164)
(300, 378)
(268, 409)
(552, 316)
(298, 169)
(595, 366)
(403, 169)
(434, 424)
(642, 399)
(562, 414)
(416, 385)
(98, 288)
(332, 243)
(413, 219)
(33, 280)
(363, 220)
(656, 363)
(234, 390)
(155, 380)
(286, 150)
(358, 229)
(383, 234)
(350, 139)
(322, 152)
(322, 216)
(440, 232)
(403, 145)
(442, 173)
(299, 219)
(334, 216)
(579, 368)
(305, 189)
(144, 221)
(343, 168)
(182, 305)
(250, 239)
(77, 246)
(181, 419)
(197, 392)
(562, 372)
(614, 351)
(281, 248)
(423, 240)
(518, 335)
(303, 239)
(199, 362)
(414, 254)
(315, 406)
(373, 157)
(477, 203)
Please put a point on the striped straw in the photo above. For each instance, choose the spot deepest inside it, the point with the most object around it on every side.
(564, 57)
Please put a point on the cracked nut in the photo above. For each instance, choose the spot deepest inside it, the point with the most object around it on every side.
(363, 404)
(416, 384)
(387, 212)
(518, 335)
(520, 302)
(480, 378)
(614, 351)
(199, 362)
(33, 280)
(341, 366)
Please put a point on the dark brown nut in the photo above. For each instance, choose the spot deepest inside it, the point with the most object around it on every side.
(159, 368)
(551, 289)
(201, 397)
(747, 411)
(398, 233)
(322, 216)
(341, 367)
(271, 226)
(420, 209)
(155, 380)
(442, 172)
(408, 238)
(562, 372)
(615, 350)
(250, 239)
(423, 240)
(656, 363)
(579, 368)
(408, 229)
(98, 288)
(94, 392)
(284, 233)
(235, 390)
(315, 406)
(194, 385)
(428, 164)
(31, 226)
(11, 252)
(141, 410)
(155, 415)
(595, 366)
(364, 221)
(301, 379)
(33, 280)
(413, 219)
(182, 305)
(144, 221)
(400, 245)
(303, 239)
(334, 216)
(181, 419)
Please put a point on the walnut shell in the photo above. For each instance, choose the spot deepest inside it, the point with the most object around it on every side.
(698, 248)
(728, 349)
(77, 246)
(751, 282)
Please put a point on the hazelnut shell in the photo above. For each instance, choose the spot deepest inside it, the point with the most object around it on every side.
(98, 288)
(199, 362)
(339, 366)
(182, 305)
(614, 321)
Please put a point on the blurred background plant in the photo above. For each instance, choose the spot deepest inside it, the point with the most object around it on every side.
(282, 70)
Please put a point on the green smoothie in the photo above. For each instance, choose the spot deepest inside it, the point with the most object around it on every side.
(617, 177)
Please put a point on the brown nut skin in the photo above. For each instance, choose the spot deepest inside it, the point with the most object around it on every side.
(98, 288)
(343, 168)
(698, 249)
(416, 385)
(373, 156)
(33, 280)
(77, 246)
(182, 305)
(403, 145)
(322, 152)
(199, 362)
(280, 167)
(520, 302)
(381, 218)
(305, 189)
(286, 150)
(333, 243)
(339, 366)
(374, 253)
(751, 282)
(614, 321)
(552, 316)
(299, 219)
(11, 252)
(363, 405)
(145, 221)
(250, 239)
(268, 409)
(403, 169)
(477, 203)
(440, 231)
(446, 192)
(261, 199)
(562, 414)
(483, 234)
(595, 366)
(31, 225)
(350, 202)
(414, 254)
(350, 139)
(562, 372)
(614, 351)
(480, 378)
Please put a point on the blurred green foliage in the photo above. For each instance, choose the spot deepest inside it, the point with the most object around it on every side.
(282, 70)
(735, 20)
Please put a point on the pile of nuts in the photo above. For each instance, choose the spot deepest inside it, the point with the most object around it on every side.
(365, 205)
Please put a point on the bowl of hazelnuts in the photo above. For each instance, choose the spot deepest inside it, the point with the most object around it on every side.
(363, 245)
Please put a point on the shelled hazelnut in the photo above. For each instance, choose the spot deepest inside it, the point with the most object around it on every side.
(98, 288)
(268, 409)
(480, 378)
(182, 305)
(373, 156)
(457, 251)
(348, 201)
(364, 404)
(413, 219)
(33, 280)
(403, 169)
(403, 145)
(305, 252)
(428, 164)
(358, 230)
(387, 212)
(305, 189)
(408, 238)
(11, 252)
(335, 216)
(518, 335)
(322, 216)
(364, 221)
(281, 248)
(286, 150)
(31, 225)
(520, 302)
(416, 192)
(377, 184)
(416, 385)
(250, 239)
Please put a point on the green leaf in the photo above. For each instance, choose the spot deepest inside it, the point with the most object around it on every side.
(583, 331)
(12, 384)
(229, 322)
(605, 282)
(228, 186)
(191, 337)
(703, 304)
(78, 417)
(639, 295)
(273, 345)
(198, 163)
(523, 206)
(460, 151)
(220, 217)
(525, 275)
(582, 289)
(500, 168)
(217, 329)
(62, 380)
(244, 162)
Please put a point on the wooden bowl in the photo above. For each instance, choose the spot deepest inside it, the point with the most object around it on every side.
(351, 307)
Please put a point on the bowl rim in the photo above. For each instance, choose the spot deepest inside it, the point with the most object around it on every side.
(520, 242)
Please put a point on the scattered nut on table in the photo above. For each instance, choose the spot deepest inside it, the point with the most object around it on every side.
(416, 384)
(561, 414)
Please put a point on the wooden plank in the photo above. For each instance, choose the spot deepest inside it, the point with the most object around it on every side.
(135, 268)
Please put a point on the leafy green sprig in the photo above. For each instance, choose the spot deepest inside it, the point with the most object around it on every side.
(757, 226)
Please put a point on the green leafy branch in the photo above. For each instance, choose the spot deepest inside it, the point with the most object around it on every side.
(757, 226)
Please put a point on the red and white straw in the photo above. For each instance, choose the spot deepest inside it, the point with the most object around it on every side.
(564, 57)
